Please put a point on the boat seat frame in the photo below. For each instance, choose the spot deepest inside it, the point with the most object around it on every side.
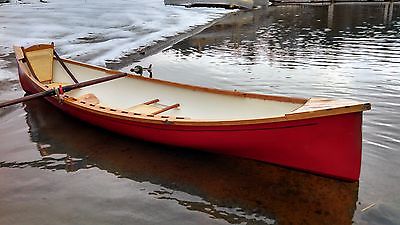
(37, 70)
(149, 107)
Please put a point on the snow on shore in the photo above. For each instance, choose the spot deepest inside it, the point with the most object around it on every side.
(94, 31)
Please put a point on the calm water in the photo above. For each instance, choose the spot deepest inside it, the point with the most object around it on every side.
(54, 169)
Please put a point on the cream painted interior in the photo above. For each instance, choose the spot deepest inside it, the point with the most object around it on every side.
(128, 93)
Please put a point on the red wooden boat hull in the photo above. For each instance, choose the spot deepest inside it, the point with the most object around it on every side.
(329, 145)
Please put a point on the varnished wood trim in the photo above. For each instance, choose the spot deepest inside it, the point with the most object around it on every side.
(39, 47)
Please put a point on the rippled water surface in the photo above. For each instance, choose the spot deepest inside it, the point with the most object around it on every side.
(56, 170)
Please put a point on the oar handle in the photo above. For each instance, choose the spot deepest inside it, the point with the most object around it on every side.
(64, 88)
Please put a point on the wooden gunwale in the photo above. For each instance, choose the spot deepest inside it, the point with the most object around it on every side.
(161, 119)
(196, 88)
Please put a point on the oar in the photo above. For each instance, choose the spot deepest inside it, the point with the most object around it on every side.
(64, 89)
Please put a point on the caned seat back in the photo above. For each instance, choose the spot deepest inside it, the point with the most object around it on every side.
(41, 59)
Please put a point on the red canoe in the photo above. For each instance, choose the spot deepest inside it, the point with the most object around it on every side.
(322, 136)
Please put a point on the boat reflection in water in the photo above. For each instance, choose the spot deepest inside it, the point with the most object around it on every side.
(248, 190)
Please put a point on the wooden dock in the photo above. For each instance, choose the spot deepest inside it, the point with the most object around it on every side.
(257, 3)
(279, 2)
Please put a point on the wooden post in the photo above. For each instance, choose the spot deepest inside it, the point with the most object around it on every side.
(330, 14)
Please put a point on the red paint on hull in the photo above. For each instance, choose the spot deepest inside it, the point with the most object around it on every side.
(328, 145)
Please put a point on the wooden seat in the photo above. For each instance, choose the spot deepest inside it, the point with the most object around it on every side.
(143, 109)
(165, 109)
(151, 108)
(40, 61)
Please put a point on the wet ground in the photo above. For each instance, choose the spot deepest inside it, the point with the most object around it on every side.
(54, 169)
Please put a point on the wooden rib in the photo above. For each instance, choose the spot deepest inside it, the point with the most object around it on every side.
(152, 101)
(165, 109)
(65, 67)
